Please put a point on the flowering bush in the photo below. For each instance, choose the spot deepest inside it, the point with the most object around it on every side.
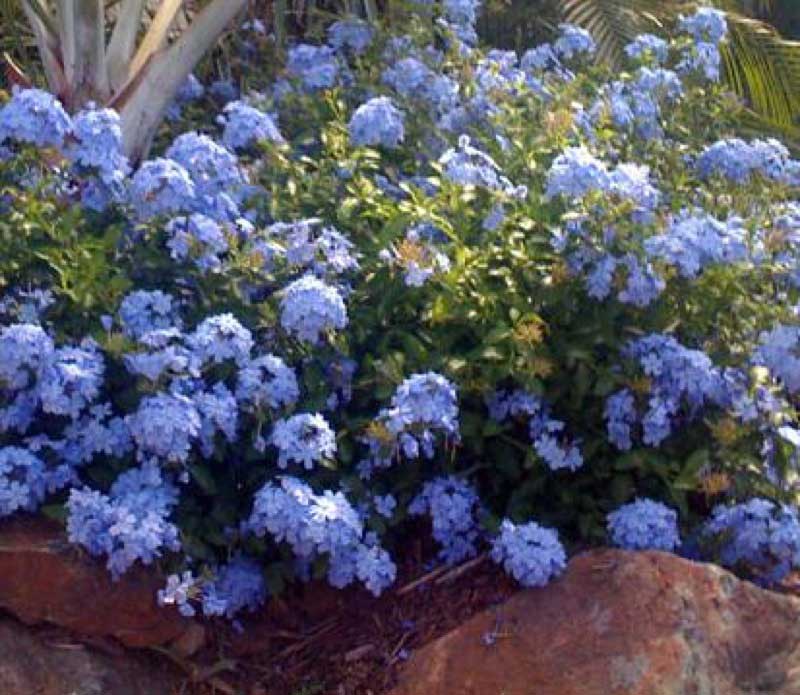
(406, 280)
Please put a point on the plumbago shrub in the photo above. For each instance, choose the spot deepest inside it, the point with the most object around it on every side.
(512, 299)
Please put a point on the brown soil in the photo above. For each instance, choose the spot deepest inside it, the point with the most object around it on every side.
(320, 641)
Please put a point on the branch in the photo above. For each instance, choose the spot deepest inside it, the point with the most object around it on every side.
(142, 105)
(123, 41)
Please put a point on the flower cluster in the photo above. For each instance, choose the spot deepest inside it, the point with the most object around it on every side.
(246, 126)
(321, 525)
(530, 553)
(34, 117)
(778, 351)
(350, 34)
(760, 535)
(129, 524)
(738, 160)
(311, 308)
(22, 480)
(423, 406)
(644, 525)
(235, 587)
(305, 439)
(453, 507)
(679, 377)
(377, 122)
(316, 67)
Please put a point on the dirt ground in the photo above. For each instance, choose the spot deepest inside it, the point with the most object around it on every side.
(321, 641)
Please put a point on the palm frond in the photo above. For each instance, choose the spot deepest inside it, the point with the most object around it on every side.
(764, 68)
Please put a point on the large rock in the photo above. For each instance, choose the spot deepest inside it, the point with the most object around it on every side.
(45, 579)
(31, 664)
(621, 623)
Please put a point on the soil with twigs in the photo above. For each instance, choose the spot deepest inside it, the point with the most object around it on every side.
(317, 640)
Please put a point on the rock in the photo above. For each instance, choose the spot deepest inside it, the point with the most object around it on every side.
(45, 579)
(621, 623)
(33, 665)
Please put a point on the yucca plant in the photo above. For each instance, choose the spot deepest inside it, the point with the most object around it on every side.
(86, 57)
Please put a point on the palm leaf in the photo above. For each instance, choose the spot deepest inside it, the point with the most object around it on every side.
(764, 68)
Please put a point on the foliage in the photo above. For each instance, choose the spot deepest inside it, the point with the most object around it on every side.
(545, 293)
(760, 64)
(86, 61)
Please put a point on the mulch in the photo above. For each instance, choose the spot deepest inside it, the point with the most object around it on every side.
(322, 641)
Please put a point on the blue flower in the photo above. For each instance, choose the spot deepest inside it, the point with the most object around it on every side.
(678, 375)
(24, 350)
(310, 308)
(696, 240)
(144, 311)
(385, 505)
(377, 122)
(546, 433)
(237, 586)
(213, 169)
(198, 238)
(164, 426)
(703, 58)
(23, 480)
(632, 182)
(469, 166)
(350, 34)
(129, 524)
(161, 187)
(738, 160)
(218, 413)
(643, 285)
(706, 24)
(220, 338)
(34, 117)
(644, 525)
(315, 66)
(453, 507)
(530, 553)
(573, 41)
(759, 535)
(304, 439)
(600, 280)
(647, 46)
(318, 525)
(620, 415)
(539, 59)
(549, 443)
(72, 380)
(179, 590)
(425, 400)
(266, 382)
(576, 172)
(246, 126)
(96, 144)
(779, 351)
(413, 79)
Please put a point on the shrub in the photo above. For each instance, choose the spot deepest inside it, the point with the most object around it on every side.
(434, 282)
